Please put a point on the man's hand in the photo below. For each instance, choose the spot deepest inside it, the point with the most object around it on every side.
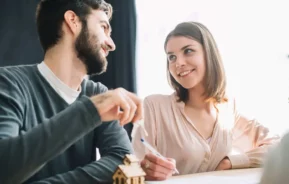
(225, 164)
(118, 104)
(157, 168)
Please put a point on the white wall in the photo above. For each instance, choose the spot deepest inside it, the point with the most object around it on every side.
(253, 38)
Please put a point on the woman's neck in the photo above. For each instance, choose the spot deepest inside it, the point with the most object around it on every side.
(196, 99)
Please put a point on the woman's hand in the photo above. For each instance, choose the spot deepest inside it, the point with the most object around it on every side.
(157, 168)
(225, 164)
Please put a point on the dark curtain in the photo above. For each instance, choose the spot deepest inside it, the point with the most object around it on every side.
(19, 42)
(18, 36)
(121, 70)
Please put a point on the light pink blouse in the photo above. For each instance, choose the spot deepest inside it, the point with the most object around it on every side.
(243, 140)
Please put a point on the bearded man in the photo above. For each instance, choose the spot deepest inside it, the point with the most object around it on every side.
(52, 118)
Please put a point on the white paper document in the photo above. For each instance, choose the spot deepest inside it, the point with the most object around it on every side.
(248, 178)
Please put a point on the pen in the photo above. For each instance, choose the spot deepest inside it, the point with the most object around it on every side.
(149, 147)
(141, 124)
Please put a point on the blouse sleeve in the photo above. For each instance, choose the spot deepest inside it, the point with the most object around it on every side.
(252, 141)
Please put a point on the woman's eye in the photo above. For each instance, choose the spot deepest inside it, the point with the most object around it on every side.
(172, 57)
(187, 51)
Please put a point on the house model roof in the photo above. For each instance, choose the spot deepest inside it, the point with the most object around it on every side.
(131, 171)
(132, 158)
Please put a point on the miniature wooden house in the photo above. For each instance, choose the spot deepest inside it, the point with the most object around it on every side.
(130, 160)
(129, 173)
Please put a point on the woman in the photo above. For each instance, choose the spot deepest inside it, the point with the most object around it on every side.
(197, 127)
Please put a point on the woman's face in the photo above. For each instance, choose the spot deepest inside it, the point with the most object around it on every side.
(187, 62)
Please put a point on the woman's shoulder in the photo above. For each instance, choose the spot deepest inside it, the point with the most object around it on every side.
(159, 99)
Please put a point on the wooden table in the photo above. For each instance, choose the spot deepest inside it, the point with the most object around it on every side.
(234, 176)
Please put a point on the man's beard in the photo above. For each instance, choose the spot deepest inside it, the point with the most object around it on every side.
(88, 51)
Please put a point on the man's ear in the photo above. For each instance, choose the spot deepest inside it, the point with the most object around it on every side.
(72, 21)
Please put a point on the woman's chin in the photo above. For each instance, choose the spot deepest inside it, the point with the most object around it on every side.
(188, 86)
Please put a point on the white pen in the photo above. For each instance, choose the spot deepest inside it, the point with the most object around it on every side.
(149, 147)
(141, 124)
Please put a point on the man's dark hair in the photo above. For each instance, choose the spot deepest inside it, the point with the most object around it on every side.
(50, 16)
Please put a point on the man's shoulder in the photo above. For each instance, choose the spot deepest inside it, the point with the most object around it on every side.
(18, 73)
(18, 70)
(159, 99)
(15, 82)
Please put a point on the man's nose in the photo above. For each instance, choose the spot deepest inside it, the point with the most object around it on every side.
(110, 44)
